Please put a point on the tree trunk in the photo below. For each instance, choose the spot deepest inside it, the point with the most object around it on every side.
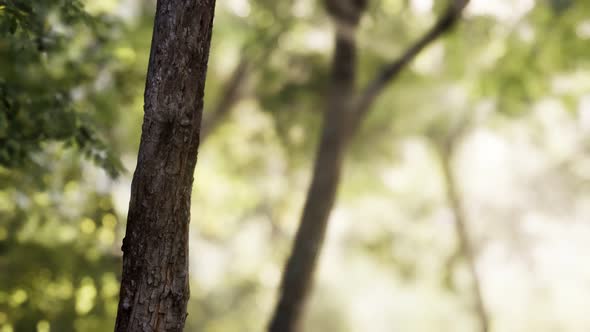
(345, 111)
(155, 285)
(298, 273)
(300, 267)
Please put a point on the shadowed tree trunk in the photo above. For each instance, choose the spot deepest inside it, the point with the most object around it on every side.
(154, 288)
(344, 112)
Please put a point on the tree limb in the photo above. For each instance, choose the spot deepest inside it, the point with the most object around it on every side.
(465, 248)
(231, 93)
(228, 98)
(392, 70)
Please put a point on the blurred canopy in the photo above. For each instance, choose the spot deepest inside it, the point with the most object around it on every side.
(505, 97)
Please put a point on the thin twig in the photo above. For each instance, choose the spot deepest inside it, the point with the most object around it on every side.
(465, 245)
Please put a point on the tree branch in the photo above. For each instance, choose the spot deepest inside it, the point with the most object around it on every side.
(465, 248)
(392, 70)
(231, 93)
(228, 98)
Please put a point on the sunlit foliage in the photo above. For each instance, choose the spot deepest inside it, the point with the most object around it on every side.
(509, 89)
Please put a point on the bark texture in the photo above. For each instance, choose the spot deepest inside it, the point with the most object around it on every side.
(344, 112)
(154, 288)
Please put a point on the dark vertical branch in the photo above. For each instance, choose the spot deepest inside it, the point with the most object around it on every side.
(299, 270)
(298, 273)
(461, 229)
(155, 286)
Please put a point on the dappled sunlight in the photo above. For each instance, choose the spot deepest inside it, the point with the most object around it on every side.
(465, 192)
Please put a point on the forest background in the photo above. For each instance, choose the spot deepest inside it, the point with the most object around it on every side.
(488, 128)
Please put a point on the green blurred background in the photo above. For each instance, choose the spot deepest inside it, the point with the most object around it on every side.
(503, 100)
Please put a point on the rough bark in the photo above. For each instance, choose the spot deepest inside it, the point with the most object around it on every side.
(461, 229)
(341, 120)
(154, 288)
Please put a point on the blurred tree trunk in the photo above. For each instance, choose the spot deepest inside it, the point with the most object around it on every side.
(154, 288)
(345, 111)
(466, 249)
(297, 277)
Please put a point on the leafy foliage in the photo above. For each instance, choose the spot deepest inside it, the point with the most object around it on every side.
(50, 55)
